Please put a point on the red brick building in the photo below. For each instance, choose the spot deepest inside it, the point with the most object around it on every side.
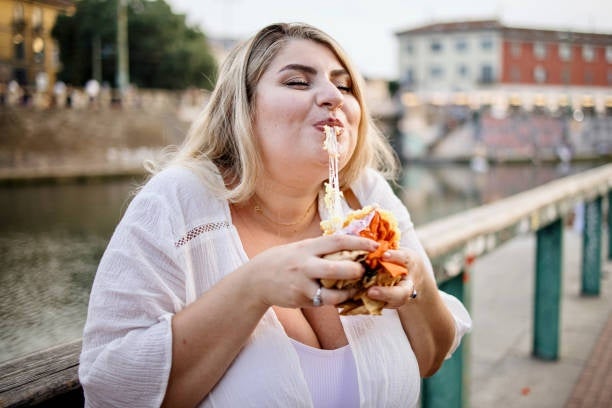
(531, 56)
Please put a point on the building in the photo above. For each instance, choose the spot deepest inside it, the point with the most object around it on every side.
(28, 53)
(485, 61)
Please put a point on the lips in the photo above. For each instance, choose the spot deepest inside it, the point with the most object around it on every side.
(332, 122)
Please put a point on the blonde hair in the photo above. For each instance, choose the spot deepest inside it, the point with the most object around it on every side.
(221, 140)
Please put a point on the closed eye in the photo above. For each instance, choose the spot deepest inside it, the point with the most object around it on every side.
(297, 83)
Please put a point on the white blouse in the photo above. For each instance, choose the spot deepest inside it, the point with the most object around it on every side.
(175, 241)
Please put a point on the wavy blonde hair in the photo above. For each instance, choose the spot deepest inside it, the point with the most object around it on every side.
(221, 140)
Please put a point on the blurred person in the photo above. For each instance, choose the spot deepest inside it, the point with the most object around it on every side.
(59, 94)
(92, 89)
(209, 291)
(14, 93)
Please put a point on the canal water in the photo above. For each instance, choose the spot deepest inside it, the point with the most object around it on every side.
(52, 237)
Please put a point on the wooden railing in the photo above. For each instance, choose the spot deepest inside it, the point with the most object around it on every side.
(453, 244)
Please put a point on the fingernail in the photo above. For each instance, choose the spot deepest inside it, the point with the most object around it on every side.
(374, 292)
(387, 254)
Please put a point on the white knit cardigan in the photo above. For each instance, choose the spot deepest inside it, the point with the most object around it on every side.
(175, 241)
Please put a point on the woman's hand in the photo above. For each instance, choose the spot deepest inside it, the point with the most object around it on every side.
(405, 292)
(287, 275)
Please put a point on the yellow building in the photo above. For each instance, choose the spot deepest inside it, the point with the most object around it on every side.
(28, 53)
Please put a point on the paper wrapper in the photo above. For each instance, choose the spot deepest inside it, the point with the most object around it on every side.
(381, 226)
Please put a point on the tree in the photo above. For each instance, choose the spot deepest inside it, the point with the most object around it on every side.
(164, 51)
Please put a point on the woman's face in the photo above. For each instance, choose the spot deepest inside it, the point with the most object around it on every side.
(304, 88)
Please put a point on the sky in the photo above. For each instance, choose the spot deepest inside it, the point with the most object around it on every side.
(366, 28)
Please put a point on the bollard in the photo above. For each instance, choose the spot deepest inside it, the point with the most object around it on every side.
(591, 248)
(549, 255)
(445, 389)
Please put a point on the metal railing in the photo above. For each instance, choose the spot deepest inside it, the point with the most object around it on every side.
(453, 244)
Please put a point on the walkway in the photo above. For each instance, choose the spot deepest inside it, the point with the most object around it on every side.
(503, 373)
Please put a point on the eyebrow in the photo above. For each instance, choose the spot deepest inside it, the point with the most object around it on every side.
(310, 70)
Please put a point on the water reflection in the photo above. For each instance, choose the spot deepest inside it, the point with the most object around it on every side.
(432, 192)
(52, 237)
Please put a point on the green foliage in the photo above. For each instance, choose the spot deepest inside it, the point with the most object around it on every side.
(164, 52)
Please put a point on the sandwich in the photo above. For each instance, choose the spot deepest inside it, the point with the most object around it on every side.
(377, 224)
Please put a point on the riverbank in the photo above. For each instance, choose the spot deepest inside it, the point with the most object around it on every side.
(71, 144)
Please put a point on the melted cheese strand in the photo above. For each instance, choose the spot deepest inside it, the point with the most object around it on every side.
(333, 195)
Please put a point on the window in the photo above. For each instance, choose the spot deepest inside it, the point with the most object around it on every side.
(461, 45)
(37, 18)
(515, 74)
(18, 19)
(463, 71)
(515, 49)
(409, 77)
(539, 50)
(18, 12)
(565, 52)
(18, 47)
(609, 53)
(486, 43)
(409, 48)
(436, 46)
(486, 74)
(588, 53)
(539, 74)
(566, 76)
(436, 72)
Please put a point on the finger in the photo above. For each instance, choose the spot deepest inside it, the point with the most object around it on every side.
(333, 243)
(329, 269)
(330, 297)
(394, 296)
(317, 298)
(401, 257)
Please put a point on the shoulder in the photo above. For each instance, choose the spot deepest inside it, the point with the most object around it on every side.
(370, 185)
(177, 193)
(179, 183)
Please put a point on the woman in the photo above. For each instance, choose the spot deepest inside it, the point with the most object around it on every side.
(205, 292)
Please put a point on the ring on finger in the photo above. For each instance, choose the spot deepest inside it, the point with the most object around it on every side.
(317, 299)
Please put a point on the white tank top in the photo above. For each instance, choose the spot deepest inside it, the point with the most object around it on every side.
(331, 375)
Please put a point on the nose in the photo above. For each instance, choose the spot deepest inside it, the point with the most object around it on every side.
(330, 97)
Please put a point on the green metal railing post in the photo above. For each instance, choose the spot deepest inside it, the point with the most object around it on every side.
(448, 388)
(591, 248)
(609, 225)
(549, 255)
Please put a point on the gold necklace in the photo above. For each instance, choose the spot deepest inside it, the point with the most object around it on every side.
(259, 210)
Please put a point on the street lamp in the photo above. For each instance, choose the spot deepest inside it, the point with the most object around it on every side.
(123, 70)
